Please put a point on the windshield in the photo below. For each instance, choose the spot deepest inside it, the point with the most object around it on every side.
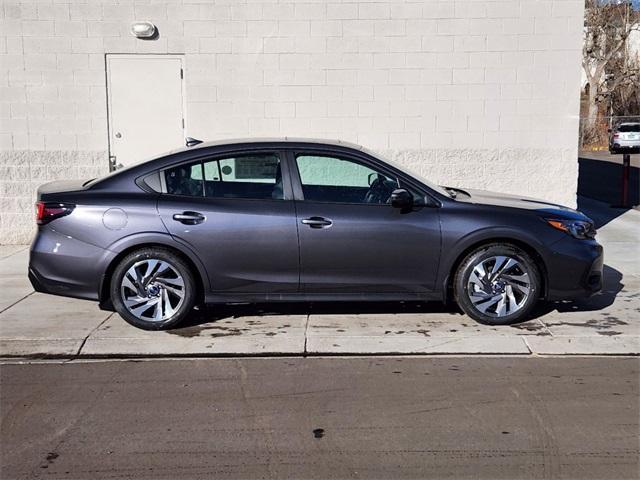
(632, 127)
(410, 173)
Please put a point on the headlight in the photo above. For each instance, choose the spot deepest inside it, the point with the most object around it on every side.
(576, 228)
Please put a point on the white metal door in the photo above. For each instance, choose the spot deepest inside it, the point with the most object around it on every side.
(146, 106)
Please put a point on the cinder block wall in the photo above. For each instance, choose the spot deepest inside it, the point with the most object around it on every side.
(476, 93)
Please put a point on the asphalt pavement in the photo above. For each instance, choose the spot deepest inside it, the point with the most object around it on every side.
(606, 156)
(324, 418)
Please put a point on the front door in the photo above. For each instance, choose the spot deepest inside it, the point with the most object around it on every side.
(145, 100)
(236, 213)
(352, 240)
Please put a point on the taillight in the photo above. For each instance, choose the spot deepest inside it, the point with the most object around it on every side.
(616, 135)
(47, 211)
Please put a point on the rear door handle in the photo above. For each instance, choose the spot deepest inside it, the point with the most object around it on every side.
(189, 218)
(317, 222)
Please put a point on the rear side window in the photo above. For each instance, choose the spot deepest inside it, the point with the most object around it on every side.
(185, 180)
(247, 176)
(257, 176)
(629, 128)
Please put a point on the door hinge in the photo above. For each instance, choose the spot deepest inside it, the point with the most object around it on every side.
(181, 73)
(183, 123)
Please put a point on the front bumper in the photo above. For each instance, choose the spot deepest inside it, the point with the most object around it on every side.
(574, 269)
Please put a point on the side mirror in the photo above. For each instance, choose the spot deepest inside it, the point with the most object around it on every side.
(609, 130)
(402, 199)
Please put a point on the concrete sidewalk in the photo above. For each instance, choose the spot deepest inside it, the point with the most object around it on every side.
(36, 325)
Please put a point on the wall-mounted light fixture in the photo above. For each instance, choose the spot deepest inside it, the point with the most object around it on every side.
(143, 29)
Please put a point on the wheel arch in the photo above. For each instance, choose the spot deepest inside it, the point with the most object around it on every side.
(199, 273)
(447, 285)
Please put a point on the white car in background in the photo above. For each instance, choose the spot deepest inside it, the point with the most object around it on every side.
(625, 137)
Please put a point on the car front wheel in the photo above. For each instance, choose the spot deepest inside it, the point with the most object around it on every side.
(497, 284)
(153, 289)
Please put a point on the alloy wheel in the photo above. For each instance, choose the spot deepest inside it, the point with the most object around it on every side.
(152, 290)
(499, 286)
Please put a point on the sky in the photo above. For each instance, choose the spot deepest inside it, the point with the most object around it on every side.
(635, 3)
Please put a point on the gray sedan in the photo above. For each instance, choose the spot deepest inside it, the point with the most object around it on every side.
(301, 220)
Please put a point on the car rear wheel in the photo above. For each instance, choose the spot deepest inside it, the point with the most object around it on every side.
(153, 289)
(497, 284)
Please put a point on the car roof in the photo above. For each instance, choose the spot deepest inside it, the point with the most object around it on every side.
(119, 177)
(269, 141)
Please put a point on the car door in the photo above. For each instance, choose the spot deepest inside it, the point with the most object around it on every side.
(236, 212)
(351, 239)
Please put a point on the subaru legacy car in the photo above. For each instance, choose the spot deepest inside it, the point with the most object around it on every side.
(301, 220)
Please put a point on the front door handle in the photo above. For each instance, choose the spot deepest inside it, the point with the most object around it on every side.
(189, 218)
(317, 222)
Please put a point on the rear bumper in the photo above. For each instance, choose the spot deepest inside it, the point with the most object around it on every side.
(624, 145)
(60, 265)
(575, 269)
(45, 285)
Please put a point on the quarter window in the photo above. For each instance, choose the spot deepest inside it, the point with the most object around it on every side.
(336, 180)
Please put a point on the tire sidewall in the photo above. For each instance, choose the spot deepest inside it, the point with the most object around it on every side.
(159, 254)
(463, 273)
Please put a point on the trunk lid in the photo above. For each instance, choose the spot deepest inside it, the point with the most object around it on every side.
(51, 189)
(628, 136)
(628, 131)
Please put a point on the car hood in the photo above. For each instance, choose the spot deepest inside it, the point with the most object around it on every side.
(484, 197)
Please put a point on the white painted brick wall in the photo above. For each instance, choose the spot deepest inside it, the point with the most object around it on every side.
(468, 92)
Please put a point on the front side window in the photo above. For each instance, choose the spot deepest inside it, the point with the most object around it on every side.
(257, 176)
(336, 180)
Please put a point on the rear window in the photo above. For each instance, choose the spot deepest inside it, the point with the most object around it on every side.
(629, 128)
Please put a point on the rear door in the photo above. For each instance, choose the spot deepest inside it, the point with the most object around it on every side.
(351, 239)
(235, 211)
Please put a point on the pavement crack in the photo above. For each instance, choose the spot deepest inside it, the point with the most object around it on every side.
(89, 334)
(545, 327)
(306, 330)
(17, 301)
(20, 250)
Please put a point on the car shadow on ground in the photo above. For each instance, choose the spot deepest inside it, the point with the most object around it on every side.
(612, 286)
(599, 212)
(220, 312)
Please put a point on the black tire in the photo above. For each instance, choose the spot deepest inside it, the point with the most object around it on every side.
(184, 307)
(486, 252)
